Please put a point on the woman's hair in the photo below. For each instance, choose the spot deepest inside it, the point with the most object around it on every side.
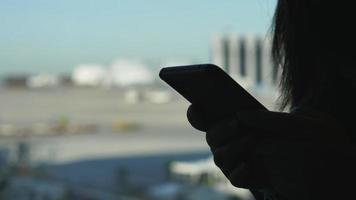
(310, 39)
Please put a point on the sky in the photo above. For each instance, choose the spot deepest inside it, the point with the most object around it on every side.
(47, 36)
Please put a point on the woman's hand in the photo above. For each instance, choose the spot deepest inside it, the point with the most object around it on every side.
(270, 150)
(232, 144)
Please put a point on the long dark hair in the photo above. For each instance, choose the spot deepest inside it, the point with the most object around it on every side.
(309, 38)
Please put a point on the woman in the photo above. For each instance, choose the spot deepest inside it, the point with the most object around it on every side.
(308, 153)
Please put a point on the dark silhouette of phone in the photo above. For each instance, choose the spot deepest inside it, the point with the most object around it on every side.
(210, 88)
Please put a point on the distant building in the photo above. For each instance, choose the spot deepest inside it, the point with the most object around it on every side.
(220, 52)
(89, 75)
(66, 80)
(246, 58)
(16, 81)
(127, 73)
(43, 80)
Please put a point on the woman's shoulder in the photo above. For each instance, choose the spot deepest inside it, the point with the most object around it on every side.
(340, 126)
(308, 111)
(316, 115)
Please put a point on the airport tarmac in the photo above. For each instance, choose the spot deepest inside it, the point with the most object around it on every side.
(163, 128)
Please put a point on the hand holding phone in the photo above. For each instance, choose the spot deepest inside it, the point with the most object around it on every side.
(208, 87)
(215, 96)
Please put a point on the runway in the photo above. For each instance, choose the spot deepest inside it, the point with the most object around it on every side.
(163, 128)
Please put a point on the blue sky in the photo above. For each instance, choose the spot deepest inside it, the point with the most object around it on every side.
(55, 36)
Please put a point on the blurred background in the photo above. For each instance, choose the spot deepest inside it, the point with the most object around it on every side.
(83, 114)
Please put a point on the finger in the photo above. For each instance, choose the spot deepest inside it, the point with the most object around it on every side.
(225, 131)
(196, 118)
(220, 133)
(227, 157)
(250, 175)
(239, 176)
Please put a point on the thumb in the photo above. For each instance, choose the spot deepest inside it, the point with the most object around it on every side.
(196, 118)
(267, 120)
(280, 123)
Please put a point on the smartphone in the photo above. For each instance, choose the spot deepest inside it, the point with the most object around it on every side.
(208, 87)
